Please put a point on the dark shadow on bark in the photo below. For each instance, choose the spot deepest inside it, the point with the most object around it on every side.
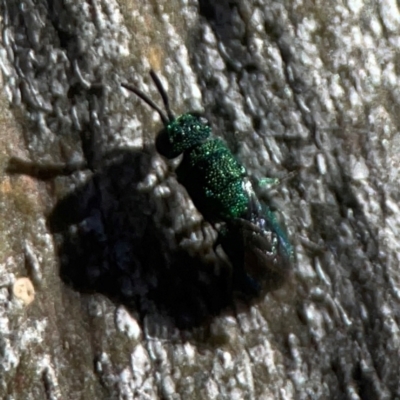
(108, 243)
(108, 240)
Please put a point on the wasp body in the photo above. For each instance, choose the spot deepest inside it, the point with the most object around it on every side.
(219, 187)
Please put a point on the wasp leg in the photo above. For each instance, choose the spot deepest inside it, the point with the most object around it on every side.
(269, 182)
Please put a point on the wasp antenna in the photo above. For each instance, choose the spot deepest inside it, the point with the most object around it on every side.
(163, 94)
(148, 101)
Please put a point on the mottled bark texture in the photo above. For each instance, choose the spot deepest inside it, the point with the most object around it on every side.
(131, 301)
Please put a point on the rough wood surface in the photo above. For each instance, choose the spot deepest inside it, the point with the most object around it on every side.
(130, 300)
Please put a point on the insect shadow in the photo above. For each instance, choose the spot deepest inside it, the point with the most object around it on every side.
(111, 238)
(109, 242)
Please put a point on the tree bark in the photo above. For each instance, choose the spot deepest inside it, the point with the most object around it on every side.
(130, 299)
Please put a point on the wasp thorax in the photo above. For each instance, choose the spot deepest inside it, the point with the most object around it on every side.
(181, 134)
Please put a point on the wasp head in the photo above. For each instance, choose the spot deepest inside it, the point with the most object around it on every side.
(181, 134)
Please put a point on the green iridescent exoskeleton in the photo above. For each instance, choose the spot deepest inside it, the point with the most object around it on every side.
(209, 172)
(217, 190)
(218, 185)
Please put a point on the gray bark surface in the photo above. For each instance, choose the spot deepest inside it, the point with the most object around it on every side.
(131, 301)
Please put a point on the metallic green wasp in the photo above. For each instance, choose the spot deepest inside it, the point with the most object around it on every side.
(219, 187)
